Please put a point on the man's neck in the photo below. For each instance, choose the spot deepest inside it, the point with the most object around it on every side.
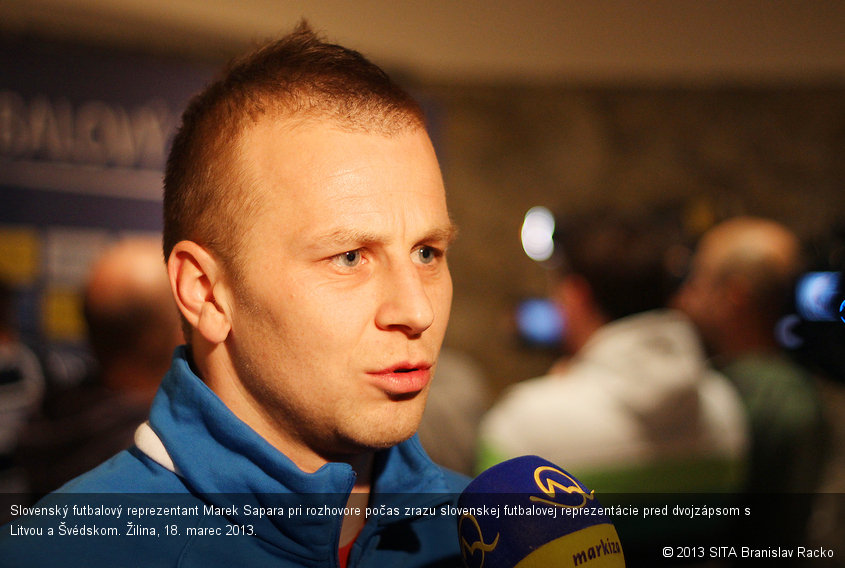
(746, 346)
(746, 339)
(305, 457)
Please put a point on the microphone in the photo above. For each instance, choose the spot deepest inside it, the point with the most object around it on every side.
(527, 512)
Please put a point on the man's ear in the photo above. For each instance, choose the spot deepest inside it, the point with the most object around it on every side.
(196, 279)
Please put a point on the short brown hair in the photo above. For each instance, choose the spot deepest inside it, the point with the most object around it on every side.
(297, 78)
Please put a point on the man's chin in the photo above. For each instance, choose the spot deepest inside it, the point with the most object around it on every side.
(380, 440)
(385, 425)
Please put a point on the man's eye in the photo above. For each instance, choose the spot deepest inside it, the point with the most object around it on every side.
(426, 255)
(348, 259)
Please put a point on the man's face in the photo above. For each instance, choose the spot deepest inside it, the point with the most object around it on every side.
(344, 297)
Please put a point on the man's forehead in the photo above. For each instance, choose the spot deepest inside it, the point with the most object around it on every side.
(315, 147)
(326, 185)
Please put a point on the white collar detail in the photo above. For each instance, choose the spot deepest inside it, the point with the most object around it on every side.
(148, 442)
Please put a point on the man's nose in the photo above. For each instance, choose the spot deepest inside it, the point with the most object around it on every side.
(406, 305)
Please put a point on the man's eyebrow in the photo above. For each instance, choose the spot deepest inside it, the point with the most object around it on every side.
(358, 238)
(446, 234)
(346, 238)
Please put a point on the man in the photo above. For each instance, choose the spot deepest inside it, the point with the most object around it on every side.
(130, 317)
(739, 286)
(305, 235)
(132, 327)
(636, 408)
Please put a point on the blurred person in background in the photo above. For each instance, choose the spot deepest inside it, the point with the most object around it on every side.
(133, 327)
(636, 408)
(456, 402)
(739, 286)
(132, 321)
(21, 391)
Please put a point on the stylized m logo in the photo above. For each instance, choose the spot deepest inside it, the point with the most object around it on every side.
(550, 480)
(468, 549)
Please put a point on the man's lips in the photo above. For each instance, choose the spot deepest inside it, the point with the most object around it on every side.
(404, 378)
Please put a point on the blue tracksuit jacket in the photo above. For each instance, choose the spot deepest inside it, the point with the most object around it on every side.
(214, 493)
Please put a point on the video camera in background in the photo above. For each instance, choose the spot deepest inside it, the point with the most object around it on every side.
(815, 331)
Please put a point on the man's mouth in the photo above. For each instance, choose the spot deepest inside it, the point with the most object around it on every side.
(404, 378)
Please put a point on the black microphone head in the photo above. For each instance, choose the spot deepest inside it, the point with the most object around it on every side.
(527, 512)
